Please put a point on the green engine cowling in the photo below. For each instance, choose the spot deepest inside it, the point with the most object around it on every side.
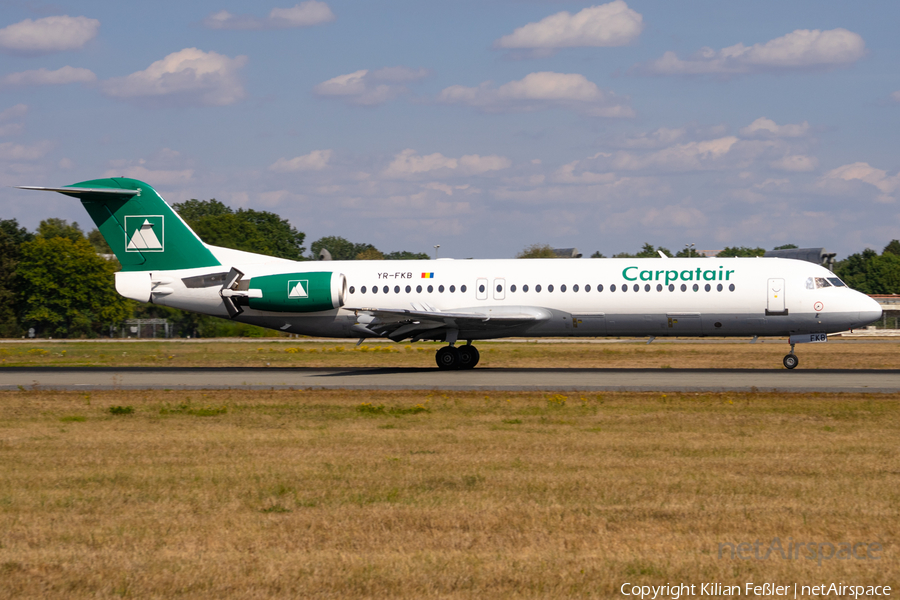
(299, 292)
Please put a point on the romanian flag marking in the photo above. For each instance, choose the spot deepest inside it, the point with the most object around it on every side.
(427, 275)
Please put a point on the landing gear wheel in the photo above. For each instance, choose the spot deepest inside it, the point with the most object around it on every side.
(447, 358)
(791, 361)
(468, 356)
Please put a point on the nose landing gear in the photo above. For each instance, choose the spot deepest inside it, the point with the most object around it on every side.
(790, 360)
(463, 357)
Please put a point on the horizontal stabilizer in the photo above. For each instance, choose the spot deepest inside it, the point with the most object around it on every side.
(76, 191)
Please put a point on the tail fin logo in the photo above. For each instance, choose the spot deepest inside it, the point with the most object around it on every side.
(144, 233)
(298, 288)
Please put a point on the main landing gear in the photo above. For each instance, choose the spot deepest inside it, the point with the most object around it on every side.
(453, 357)
(790, 360)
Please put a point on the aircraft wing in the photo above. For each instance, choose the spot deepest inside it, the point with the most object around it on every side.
(424, 321)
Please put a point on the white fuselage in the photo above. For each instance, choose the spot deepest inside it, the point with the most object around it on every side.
(581, 297)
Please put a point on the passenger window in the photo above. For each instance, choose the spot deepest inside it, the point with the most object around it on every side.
(719, 288)
(462, 289)
(647, 288)
(587, 288)
(430, 288)
(441, 289)
(512, 288)
(362, 289)
(537, 288)
(707, 287)
(731, 287)
(636, 288)
(452, 288)
(550, 288)
(396, 289)
(625, 287)
(696, 287)
(525, 288)
(562, 288)
(821, 282)
(600, 287)
(352, 290)
(374, 289)
(499, 288)
(612, 288)
(408, 289)
(418, 289)
(683, 287)
(386, 289)
(671, 287)
(481, 288)
(658, 287)
(574, 288)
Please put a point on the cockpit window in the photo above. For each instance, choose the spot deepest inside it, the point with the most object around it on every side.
(837, 282)
(821, 282)
(810, 283)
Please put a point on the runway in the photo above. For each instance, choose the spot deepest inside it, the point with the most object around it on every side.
(675, 380)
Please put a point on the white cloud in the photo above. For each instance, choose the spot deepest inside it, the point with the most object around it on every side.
(305, 14)
(368, 88)
(796, 163)
(314, 161)
(13, 112)
(42, 76)
(409, 164)
(539, 91)
(50, 34)
(186, 77)
(860, 171)
(663, 136)
(612, 24)
(153, 177)
(767, 128)
(801, 49)
(11, 151)
(691, 156)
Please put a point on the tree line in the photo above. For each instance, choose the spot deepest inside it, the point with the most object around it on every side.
(59, 279)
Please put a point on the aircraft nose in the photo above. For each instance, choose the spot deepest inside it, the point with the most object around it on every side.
(870, 310)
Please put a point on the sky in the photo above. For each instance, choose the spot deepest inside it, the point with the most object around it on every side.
(484, 126)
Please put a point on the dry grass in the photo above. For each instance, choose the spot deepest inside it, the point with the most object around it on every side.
(849, 354)
(337, 494)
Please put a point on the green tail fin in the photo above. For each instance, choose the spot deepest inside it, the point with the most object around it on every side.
(142, 230)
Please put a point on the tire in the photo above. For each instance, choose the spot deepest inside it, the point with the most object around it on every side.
(468, 356)
(447, 358)
(791, 361)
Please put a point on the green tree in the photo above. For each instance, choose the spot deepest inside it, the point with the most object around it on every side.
(786, 247)
(744, 251)
(340, 248)
(537, 251)
(66, 290)
(892, 248)
(99, 242)
(11, 239)
(597, 254)
(51, 228)
(245, 229)
(870, 273)
(370, 254)
(405, 255)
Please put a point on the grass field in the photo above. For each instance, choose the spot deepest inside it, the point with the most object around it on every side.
(838, 353)
(338, 494)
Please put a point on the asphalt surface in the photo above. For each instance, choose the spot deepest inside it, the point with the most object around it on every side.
(684, 380)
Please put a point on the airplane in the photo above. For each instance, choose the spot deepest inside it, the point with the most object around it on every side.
(164, 262)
